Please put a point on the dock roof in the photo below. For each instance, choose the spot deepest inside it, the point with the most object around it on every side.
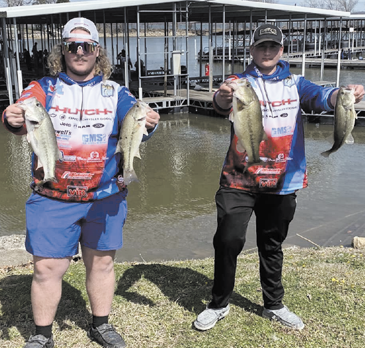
(157, 11)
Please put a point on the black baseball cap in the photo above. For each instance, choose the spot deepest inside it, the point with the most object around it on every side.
(267, 32)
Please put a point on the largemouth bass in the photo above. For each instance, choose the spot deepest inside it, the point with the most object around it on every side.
(345, 116)
(131, 134)
(42, 137)
(247, 120)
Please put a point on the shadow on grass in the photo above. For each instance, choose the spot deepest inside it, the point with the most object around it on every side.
(189, 288)
(16, 306)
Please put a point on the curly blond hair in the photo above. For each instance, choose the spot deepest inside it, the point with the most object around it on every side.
(56, 62)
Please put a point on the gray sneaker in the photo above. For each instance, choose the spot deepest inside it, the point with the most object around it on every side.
(209, 317)
(284, 316)
(39, 341)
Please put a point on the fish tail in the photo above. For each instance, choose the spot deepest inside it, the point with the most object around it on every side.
(129, 176)
(326, 153)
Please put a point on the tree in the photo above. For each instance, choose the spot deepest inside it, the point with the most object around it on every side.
(11, 3)
(338, 5)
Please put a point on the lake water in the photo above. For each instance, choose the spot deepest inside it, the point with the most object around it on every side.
(172, 211)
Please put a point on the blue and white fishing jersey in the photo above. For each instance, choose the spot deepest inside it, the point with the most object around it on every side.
(282, 169)
(87, 118)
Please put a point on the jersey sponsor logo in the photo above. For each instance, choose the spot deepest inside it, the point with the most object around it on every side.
(268, 183)
(51, 88)
(94, 157)
(289, 82)
(63, 133)
(28, 88)
(98, 125)
(281, 131)
(84, 126)
(278, 102)
(65, 124)
(107, 90)
(76, 191)
(94, 139)
(76, 111)
(269, 171)
(77, 176)
(69, 158)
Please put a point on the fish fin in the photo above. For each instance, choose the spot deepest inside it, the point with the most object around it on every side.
(39, 163)
(138, 155)
(326, 153)
(129, 176)
(239, 147)
(350, 139)
(231, 117)
(145, 132)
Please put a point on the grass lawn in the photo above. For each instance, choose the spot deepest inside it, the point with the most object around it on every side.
(156, 303)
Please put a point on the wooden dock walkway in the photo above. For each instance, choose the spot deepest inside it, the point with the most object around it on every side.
(202, 102)
(328, 62)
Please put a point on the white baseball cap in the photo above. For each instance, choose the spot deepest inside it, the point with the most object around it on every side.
(80, 22)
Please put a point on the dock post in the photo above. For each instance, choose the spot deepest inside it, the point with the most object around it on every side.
(338, 68)
(19, 77)
(7, 63)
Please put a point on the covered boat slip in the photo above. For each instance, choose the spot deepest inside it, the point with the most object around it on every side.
(170, 86)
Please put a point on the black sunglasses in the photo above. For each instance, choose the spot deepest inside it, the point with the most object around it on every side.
(74, 46)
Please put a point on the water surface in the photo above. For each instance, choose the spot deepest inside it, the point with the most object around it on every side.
(172, 211)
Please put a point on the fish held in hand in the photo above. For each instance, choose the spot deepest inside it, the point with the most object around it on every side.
(247, 120)
(345, 116)
(131, 134)
(41, 136)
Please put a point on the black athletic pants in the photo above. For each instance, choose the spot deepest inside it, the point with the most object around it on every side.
(273, 215)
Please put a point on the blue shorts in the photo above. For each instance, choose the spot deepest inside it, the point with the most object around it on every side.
(54, 228)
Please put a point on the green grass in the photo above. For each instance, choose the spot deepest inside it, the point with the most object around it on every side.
(156, 303)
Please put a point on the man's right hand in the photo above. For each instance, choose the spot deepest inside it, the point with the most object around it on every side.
(15, 115)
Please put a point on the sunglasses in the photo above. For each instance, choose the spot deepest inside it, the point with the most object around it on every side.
(74, 46)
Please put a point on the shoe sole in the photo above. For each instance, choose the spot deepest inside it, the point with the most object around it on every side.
(204, 328)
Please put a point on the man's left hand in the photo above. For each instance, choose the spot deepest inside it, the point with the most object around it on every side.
(359, 92)
(152, 119)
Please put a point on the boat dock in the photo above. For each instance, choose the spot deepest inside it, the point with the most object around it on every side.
(201, 102)
(315, 32)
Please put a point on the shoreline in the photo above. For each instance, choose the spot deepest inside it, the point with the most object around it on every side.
(13, 253)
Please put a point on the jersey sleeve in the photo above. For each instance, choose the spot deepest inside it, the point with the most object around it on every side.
(314, 97)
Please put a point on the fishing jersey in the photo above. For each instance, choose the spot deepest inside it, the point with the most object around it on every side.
(282, 169)
(87, 118)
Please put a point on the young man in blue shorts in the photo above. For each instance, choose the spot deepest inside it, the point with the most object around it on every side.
(87, 203)
(267, 188)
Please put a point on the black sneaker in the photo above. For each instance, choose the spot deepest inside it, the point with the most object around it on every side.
(106, 336)
(39, 341)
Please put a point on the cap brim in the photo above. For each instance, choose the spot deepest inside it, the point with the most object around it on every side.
(263, 40)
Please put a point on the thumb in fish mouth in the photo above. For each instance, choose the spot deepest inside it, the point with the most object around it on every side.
(232, 84)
